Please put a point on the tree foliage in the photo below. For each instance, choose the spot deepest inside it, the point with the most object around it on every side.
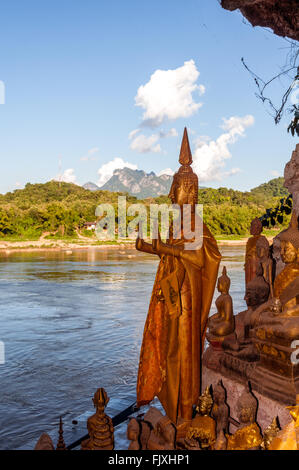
(65, 208)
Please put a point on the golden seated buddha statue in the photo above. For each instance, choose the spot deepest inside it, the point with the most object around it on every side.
(248, 435)
(203, 428)
(222, 323)
(99, 425)
(286, 285)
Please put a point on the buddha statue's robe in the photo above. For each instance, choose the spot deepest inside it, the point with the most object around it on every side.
(251, 258)
(285, 279)
(246, 438)
(170, 357)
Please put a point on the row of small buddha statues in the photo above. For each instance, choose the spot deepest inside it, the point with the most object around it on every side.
(263, 334)
(209, 428)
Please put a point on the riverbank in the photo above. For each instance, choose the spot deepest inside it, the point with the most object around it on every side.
(7, 246)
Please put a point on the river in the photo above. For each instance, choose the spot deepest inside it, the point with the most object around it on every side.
(73, 322)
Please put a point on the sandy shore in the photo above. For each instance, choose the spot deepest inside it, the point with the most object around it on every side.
(85, 243)
(64, 246)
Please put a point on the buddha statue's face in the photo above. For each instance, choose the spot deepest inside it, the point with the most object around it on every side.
(222, 286)
(219, 396)
(184, 194)
(256, 227)
(246, 415)
(251, 297)
(288, 252)
(204, 406)
(255, 296)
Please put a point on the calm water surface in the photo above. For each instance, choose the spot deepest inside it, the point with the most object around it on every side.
(72, 323)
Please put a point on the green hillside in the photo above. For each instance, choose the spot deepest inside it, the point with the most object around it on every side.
(64, 207)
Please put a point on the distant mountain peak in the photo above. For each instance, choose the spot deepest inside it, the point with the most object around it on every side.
(138, 183)
(90, 186)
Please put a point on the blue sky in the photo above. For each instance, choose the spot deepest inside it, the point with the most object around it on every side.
(72, 70)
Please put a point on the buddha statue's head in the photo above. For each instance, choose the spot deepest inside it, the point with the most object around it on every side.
(257, 290)
(289, 242)
(276, 306)
(247, 407)
(262, 248)
(219, 393)
(223, 284)
(184, 188)
(256, 227)
(205, 403)
(100, 399)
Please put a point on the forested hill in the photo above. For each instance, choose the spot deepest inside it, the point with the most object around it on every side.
(38, 208)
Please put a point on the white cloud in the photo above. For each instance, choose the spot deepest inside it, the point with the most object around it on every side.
(133, 133)
(144, 144)
(68, 176)
(210, 155)
(106, 170)
(274, 173)
(90, 154)
(167, 171)
(168, 94)
(171, 133)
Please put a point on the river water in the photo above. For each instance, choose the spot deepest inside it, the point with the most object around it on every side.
(73, 322)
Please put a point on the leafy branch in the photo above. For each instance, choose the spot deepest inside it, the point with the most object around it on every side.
(276, 215)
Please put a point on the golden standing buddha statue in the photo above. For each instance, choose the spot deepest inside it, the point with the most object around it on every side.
(220, 410)
(256, 229)
(170, 357)
(263, 258)
(248, 435)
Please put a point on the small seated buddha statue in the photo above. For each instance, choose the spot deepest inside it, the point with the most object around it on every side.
(99, 425)
(248, 435)
(203, 427)
(263, 257)
(288, 437)
(269, 434)
(257, 293)
(222, 323)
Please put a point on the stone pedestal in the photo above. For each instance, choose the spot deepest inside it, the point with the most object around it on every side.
(267, 408)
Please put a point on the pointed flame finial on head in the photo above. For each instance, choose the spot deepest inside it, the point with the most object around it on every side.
(224, 272)
(185, 153)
